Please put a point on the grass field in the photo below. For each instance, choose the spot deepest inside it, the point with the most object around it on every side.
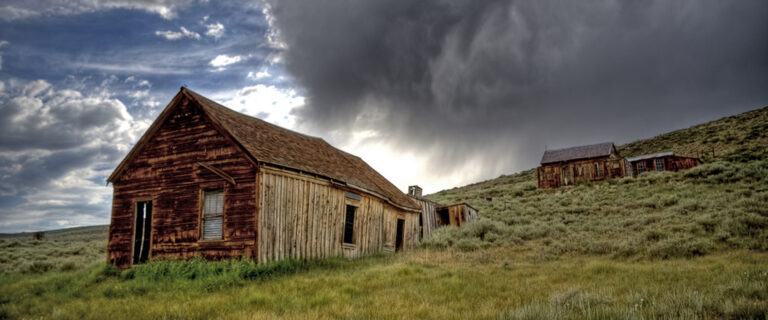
(498, 283)
(690, 245)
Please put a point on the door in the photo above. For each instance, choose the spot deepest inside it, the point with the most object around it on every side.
(400, 235)
(142, 231)
(565, 172)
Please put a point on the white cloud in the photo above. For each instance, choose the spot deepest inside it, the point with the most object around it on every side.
(269, 103)
(22, 9)
(132, 68)
(215, 30)
(176, 35)
(169, 35)
(263, 74)
(224, 60)
(56, 148)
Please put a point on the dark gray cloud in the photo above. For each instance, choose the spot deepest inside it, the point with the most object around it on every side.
(454, 79)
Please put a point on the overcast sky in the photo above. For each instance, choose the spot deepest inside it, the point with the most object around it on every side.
(435, 93)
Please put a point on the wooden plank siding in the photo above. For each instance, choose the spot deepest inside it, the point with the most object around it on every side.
(430, 221)
(670, 163)
(303, 216)
(578, 171)
(167, 172)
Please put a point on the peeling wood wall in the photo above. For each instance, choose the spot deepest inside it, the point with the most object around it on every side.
(303, 217)
(572, 172)
(166, 172)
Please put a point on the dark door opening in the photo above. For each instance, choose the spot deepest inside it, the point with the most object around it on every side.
(421, 226)
(444, 217)
(143, 231)
(400, 234)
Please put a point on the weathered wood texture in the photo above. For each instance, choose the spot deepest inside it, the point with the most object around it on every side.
(457, 214)
(167, 171)
(572, 172)
(430, 221)
(670, 163)
(302, 217)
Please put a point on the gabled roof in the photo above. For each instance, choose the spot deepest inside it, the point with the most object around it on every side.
(577, 153)
(650, 156)
(274, 145)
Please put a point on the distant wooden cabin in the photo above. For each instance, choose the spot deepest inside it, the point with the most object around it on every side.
(207, 181)
(434, 215)
(664, 161)
(569, 166)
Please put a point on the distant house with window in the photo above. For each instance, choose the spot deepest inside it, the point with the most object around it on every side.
(434, 215)
(207, 181)
(663, 161)
(563, 167)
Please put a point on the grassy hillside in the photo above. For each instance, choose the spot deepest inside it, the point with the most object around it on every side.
(746, 130)
(691, 245)
(65, 249)
(721, 205)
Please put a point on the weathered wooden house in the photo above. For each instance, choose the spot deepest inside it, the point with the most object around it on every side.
(663, 161)
(205, 180)
(434, 215)
(569, 166)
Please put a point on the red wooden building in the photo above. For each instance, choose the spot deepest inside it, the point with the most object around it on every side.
(569, 166)
(207, 181)
(664, 161)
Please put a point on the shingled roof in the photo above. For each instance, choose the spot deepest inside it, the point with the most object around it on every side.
(281, 147)
(577, 153)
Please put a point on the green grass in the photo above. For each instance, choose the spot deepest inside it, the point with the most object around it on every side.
(66, 249)
(718, 206)
(495, 283)
(745, 130)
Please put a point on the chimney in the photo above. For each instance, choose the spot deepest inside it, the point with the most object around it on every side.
(414, 191)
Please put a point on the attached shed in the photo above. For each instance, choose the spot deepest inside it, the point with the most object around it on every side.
(569, 166)
(207, 181)
(434, 215)
(663, 161)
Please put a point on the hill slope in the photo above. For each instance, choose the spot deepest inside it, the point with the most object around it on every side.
(720, 205)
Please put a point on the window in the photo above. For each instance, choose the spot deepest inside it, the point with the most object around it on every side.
(597, 170)
(213, 214)
(349, 225)
(659, 164)
(640, 167)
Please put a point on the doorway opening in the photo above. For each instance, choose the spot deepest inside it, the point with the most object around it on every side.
(142, 231)
(400, 234)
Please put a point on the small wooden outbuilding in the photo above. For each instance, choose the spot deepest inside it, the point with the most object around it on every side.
(663, 161)
(207, 181)
(569, 166)
(434, 215)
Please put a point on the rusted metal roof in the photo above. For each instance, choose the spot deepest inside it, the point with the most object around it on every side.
(576, 153)
(651, 156)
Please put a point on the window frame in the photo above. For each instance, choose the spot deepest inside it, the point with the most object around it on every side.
(202, 215)
(640, 167)
(346, 224)
(659, 164)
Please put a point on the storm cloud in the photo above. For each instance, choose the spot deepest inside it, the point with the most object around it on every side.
(484, 86)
